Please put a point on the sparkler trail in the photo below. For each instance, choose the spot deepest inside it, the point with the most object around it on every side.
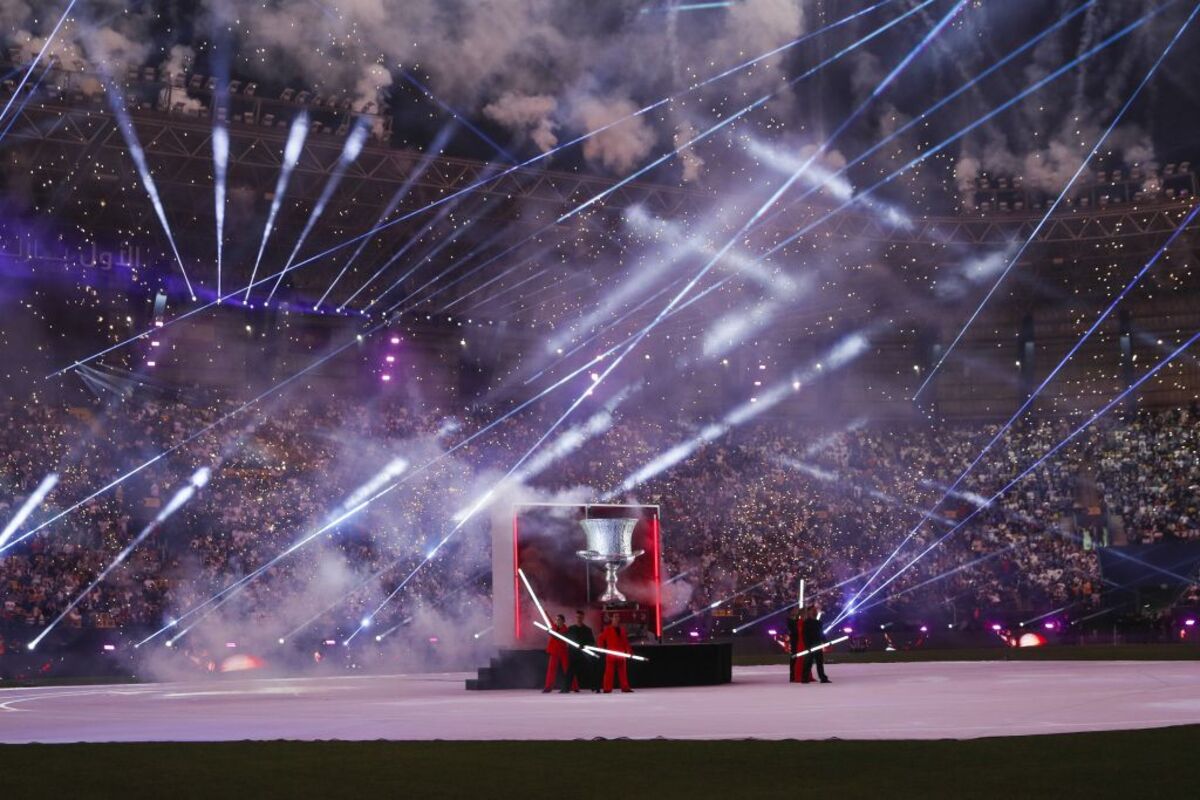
(537, 603)
(32, 502)
(838, 640)
(116, 102)
(1035, 465)
(1058, 200)
(291, 155)
(350, 152)
(197, 482)
(36, 59)
(953, 488)
(508, 171)
(435, 147)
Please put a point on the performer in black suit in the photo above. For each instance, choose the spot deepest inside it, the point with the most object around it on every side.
(813, 635)
(793, 634)
(579, 664)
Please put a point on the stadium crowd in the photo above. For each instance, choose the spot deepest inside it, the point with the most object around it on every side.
(743, 516)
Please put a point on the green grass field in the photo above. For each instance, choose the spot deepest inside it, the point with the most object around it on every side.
(1091, 765)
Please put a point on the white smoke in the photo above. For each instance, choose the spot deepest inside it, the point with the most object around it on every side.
(526, 115)
(620, 148)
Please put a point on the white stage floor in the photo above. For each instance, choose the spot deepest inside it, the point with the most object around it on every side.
(866, 701)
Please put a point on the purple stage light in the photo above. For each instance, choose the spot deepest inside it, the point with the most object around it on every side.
(1189, 622)
(996, 627)
(847, 629)
(395, 340)
(924, 629)
(1050, 625)
(772, 632)
(694, 634)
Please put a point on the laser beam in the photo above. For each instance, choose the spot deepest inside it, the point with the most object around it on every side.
(1058, 200)
(436, 146)
(1187, 220)
(197, 482)
(1036, 464)
(33, 64)
(508, 171)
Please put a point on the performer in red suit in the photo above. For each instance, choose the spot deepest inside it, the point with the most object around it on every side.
(557, 650)
(613, 637)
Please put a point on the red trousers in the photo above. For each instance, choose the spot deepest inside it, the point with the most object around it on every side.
(557, 663)
(619, 664)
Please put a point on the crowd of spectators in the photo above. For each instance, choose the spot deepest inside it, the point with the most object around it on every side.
(742, 516)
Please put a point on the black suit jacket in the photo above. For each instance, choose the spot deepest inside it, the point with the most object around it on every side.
(814, 634)
(581, 635)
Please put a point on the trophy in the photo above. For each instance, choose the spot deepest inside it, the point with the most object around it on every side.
(610, 542)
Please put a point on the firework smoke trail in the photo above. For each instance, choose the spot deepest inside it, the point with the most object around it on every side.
(350, 152)
(116, 102)
(31, 503)
(291, 155)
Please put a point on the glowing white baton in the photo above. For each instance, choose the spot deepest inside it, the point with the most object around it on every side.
(820, 646)
(558, 635)
(541, 610)
(593, 649)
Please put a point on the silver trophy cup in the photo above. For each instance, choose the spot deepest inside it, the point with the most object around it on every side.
(610, 542)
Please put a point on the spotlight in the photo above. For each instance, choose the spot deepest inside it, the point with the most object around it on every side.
(366, 622)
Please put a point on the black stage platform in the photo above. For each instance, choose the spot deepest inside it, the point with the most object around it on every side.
(668, 665)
